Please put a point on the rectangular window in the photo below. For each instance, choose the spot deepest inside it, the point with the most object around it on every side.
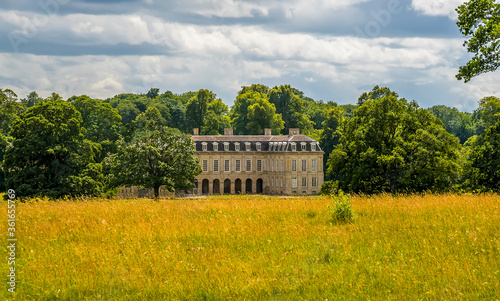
(216, 165)
(314, 182)
(304, 182)
(226, 165)
(303, 145)
(238, 165)
(282, 167)
(294, 165)
(294, 147)
(216, 147)
(294, 182)
(272, 165)
(204, 147)
(205, 165)
(258, 147)
(313, 147)
(237, 147)
(304, 165)
(249, 165)
(314, 165)
(259, 165)
(226, 147)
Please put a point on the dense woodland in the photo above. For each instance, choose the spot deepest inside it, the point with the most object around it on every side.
(382, 143)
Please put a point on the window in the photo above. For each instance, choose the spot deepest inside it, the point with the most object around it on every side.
(258, 146)
(249, 165)
(216, 146)
(282, 166)
(272, 165)
(313, 146)
(204, 146)
(294, 147)
(294, 182)
(304, 182)
(226, 146)
(216, 165)
(294, 165)
(304, 165)
(283, 147)
(237, 147)
(248, 146)
(205, 165)
(314, 182)
(238, 165)
(314, 165)
(259, 165)
(226, 165)
(303, 146)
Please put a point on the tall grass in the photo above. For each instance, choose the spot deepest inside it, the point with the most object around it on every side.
(436, 247)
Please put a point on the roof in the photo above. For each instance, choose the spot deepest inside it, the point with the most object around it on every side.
(275, 143)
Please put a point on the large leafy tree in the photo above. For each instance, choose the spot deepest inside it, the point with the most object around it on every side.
(252, 112)
(49, 154)
(161, 158)
(392, 145)
(32, 99)
(331, 133)
(479, 22)
(291, 107)
(197, 108)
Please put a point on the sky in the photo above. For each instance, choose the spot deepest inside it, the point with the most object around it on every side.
(331, 50)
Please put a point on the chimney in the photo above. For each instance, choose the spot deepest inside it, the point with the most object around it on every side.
(292, 132)
(196, 131)
(228, 132)
(267, 132)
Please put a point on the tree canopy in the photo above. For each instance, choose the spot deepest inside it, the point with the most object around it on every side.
(392, 145)
(479, 22)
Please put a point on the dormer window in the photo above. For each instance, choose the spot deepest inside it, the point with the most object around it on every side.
(280, 146)
(283, 147)
(204, 146)
(313, 146)
(303, 146)
(248, 146)
(294, 146)
(226, 146)
(216, 146)
(237, 146)
(259, 146)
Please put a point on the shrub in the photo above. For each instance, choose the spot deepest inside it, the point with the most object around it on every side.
(342, 210)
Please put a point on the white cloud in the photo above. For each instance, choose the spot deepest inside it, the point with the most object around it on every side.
(437, 7)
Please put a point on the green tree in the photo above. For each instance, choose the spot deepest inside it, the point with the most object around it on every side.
(262, 89)
(479, 22)
(197, 108)
(245, 115)
(458, 123)
(31, 100)
(153, 93)
(216, 119)
(376, 93)
(391, 145)
(10, 110)
(50, 155)
(331, 132)
(161, 158)
(291, 107)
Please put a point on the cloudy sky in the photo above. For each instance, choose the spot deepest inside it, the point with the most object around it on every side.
(332, 50)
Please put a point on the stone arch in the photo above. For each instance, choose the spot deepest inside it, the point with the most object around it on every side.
(204, 186)
(237, 186)
(248, 186)
(227, 186)
(216, 188)
(260, 186)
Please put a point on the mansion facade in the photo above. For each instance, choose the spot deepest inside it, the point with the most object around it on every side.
(253, 164)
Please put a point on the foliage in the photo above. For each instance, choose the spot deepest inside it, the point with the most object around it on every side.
(31, 100)
(479, 22)
(163, 157)
(342, 211)
(391, 145)
(482, 169)
(252, 112)
(376, 93)
(10, 110)
(50, 155)
(457, 123)
(291, 107)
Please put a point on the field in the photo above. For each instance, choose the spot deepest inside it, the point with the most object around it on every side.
(434, 247)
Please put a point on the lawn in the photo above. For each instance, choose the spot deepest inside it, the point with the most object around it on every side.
(430, 247)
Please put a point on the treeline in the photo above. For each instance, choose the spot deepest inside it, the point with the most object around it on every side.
(382, 143)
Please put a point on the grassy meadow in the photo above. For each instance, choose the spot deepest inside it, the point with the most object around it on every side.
(434, 247)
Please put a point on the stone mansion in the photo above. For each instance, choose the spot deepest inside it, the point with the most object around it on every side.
(249, 164)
